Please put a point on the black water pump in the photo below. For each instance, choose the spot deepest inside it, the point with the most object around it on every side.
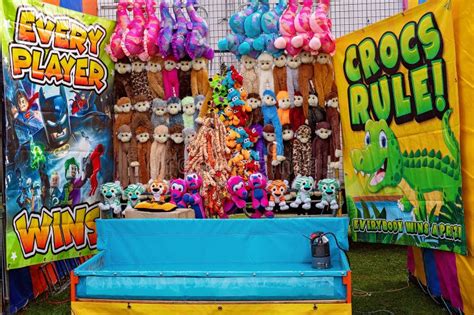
(320, 251)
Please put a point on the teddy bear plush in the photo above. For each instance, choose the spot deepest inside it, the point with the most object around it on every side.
(173, 107)
(175, 151)
(284, 105)
(155, 78)
(265, 73)
(248, 71)
(323, 76)
(142, 130)
(184, 75)
(292, 70)
(199, 77)
(159, 114)
(122, 82)
(170, 78)
(279, 74)
(320, 149)
(302, 154)
(270, 116)
(139, 80)
(158, 152)
(305, 76)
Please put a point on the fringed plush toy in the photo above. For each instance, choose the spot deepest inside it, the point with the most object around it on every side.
(279, 74)
(178, 189)
(122, 80)
(302, 151)
(170, 78)
(184, 75)
(132, 39)
(158, 154)
(180, 31)
(111, 193)
(165, 36)
(139, 79)
(277, 190)
(189, 111)
(265, 73)
(287, 29)
(257, 184)
(114, 48)
(296, 112)
(303, 186)
(292, 69)
(269, 137)
(321, 149)
(173, 107)
(132, 195)
(316, 113)
(199, 77)
(175, 151)
(152, 29)
(159, 113)
(158, 189)
(305, 75)
(270, 116)
(155, 77)
(329, 188)
(334, 119)
(248, 71)
(127, 161)
(193, 196)
(286, 168)
(142, 129)
(284, 105)
(189, 136)
(323, 77)
(237, 196)
(303, 28)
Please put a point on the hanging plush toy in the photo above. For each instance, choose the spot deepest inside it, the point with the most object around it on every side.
(287, 29)
(123, 116)
(142, 130)
(323, 40)
(198, 101)
(231, 43)
(270, 152)
(334, 119)
(238, 196)
(265, 73)
(277, 189)
(270, 116)
(127, 161)
(139, 79)
(159, 113)
(142, 108)
(302, 151)
(283, 107)
(256, 116)
(158, 154)
(248, 71)
(184, 75)
(287, 165)
(321, 149)
(196, 41)
(270, 20)
(257, 184)
(189, 136)
(132, 195)
(256, 131)
(303, 186)
(329, 188)
(237, 20)
(303, 28)
(111, 193)
(155, 77)
(323, 77)
(158, 189)
(305, 76)
(177, 190)
(188, 112)
(296, 112)
(316, 113)
(175, 151)
(114, 48)
(122, 81)
(180, 31)
(174, 112)
(193, 196)
(279, 74)
(152, 29)
(170, 78)
(293, 63)
(132, 39)
(199, 77)
(165, 36)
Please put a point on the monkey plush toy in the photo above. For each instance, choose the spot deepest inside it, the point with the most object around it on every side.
(286, 167)
(321, 149)
(127, 163)
(333, 117)
(170, 78)
(139, 80)
(316, 112)
(249, 74)
(296, 112)
(305, 76)
(265, 73)
(155, 78)
(199, 77)
(142, 130)
(122, 84)
(271, 156)
(279, 74)
(302, 151)
(323, 76)
(175, 152)
(158, 154)
(184, 75)
(255, 116)
(174, 111)
(292, 70)
(159, 113)
(188, 112)
(123, 116)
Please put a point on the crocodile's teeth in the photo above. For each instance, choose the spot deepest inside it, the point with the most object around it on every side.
(363, 174)
(355, 171)
(368, 175)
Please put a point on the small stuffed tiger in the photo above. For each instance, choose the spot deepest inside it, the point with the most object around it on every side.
(277, 189)
(303, 185)
(111, 192)
(329, 188)
(158, 188)
(132, 194)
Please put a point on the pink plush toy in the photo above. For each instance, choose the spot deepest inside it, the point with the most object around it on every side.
(257, 184)
(132, 40)
(170, 78)
(152, 29)
(323, 40)
(165, 36)
(193, 196)
(303, 28)
(114, 48)
(178, 189)
(287, 29)
(180, 31)
(238, 196)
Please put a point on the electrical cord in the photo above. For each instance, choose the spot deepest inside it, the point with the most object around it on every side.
(362, 293)
(338, 245)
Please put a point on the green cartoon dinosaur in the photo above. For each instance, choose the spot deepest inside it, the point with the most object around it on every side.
(385, 165)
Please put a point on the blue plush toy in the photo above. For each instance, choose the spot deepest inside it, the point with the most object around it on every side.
(237, 20)
(270, 20)
(270, 116)
(231, 43)
(252, 23)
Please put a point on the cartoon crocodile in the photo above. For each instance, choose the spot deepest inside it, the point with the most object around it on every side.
(385, 165)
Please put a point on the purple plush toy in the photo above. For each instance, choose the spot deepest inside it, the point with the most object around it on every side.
(193, 196)
(257, 184)
(238, 196)
(180, 31)
(196, 41)
(178, 189)
(165, 35)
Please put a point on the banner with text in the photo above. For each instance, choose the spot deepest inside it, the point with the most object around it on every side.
(400, 114)
(57, 83)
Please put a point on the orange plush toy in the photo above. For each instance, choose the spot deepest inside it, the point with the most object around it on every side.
(142, 130)
(284, 105)
(199, 77)
(305, 76)
(323, 76)
(155, 78)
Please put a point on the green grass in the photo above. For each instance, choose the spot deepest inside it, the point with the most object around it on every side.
(376, 270)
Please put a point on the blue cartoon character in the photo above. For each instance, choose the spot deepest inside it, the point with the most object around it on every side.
(26, 119)
(36, 202)
(55, 114)
(24, 199)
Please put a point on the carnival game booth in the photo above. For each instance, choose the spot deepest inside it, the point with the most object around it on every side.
(202, 266)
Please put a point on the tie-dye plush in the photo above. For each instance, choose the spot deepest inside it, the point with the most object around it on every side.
(165, 35)
(180, 31)
(132, 40)
(152, 29)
